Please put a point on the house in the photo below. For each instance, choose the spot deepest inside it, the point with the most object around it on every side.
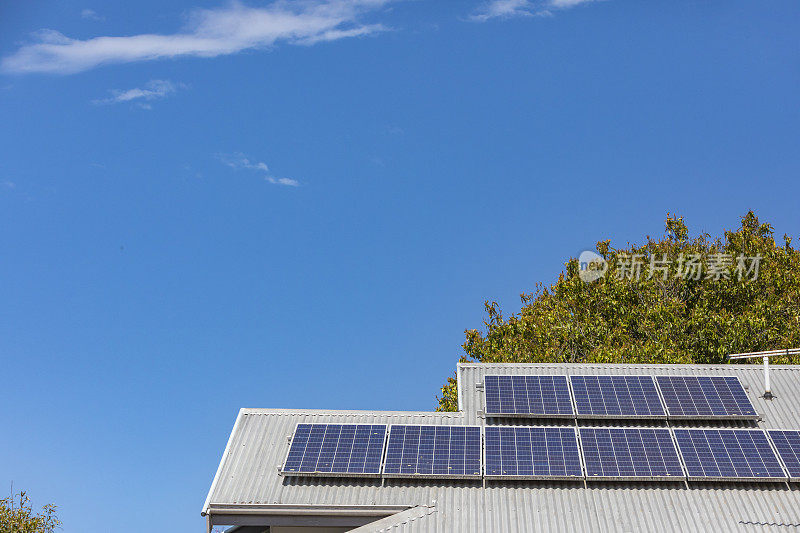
(249, 491)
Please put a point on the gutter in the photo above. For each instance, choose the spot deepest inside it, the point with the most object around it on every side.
(349, 516)
(306, 510)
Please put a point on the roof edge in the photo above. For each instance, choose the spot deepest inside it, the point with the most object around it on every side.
(306, 509)
(404, 517)
(625, 365)
(221, 462)
(343, 412)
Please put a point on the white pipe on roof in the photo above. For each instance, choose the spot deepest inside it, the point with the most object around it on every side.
(766, 355)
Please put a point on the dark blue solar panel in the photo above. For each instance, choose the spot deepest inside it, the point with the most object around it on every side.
(743, 454)
(616, 397)
(532, 452)
(787, 442)
(532, 396)
(433, 451)
(705, 397)
(630, 453)
(336, 449)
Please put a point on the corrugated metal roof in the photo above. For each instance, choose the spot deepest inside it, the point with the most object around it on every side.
(249, 472)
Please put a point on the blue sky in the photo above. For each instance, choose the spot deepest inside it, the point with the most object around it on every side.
(206, 206)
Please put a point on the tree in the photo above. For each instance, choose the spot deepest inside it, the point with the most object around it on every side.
(17, 516)
(693, 301)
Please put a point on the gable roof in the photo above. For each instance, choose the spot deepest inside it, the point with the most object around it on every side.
(248, 479)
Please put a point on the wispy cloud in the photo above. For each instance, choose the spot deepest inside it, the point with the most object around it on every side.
(239, 161)
(152, 90)
(503, 9)
(208, 33)
(521, 8)
(8, 184)
(90, 14)
(563, 4)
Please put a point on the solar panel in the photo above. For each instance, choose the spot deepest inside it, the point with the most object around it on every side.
(728, 454)
(536, 396)
(787, 442)
(433, 451)
(616, 397)
(630, 453)
(515, 452)
(705, 397)
(352, 450)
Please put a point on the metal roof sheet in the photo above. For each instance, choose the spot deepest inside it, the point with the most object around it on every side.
(248, 474)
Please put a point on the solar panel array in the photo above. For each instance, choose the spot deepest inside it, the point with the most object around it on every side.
(630, 453)
(616, 397)
(787, 442)
(565, 452)
(728, 454)
(705, 397)
(633, 396)
(336, 449)
(515, 452)
(544, 452)
(531, 395)
(433, 451)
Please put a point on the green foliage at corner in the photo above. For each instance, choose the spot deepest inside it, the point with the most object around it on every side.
(671, 316)
(17, 516)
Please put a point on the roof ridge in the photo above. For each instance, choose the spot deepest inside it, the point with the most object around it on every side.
(697, 366)
(404, 517)
(346, 412)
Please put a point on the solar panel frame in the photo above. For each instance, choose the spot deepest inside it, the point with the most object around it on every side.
(669, 435)
(761, 479)
(430, 475)
(679, 416)
(622, 416)
(529, 477)
(301, 473)
(790, 461)
(529, 414)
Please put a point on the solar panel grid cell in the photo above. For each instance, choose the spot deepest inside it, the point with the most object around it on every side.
(616, 397)
(514, 452)
(787, 442)
(336, 449)
(728, 454)
(528, 396)
(630, 453)
(433, 451)
(705, 397)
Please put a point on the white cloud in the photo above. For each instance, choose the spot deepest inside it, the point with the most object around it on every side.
(9, 184)
(90, 14)
(521, 8)
(239, 161)
(503, 9)
(208, 33)
(563, 4)
(152, 90)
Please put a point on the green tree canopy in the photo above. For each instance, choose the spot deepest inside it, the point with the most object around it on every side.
(17, 516)
(695, 300)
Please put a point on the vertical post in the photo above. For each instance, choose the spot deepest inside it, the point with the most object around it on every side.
(767, 390)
